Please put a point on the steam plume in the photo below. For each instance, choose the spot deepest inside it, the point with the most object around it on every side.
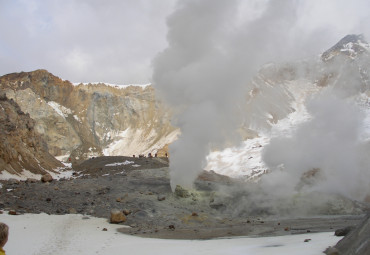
(331, 142)
(203, 74)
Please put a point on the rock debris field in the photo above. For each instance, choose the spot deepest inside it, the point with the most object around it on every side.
(140, 189)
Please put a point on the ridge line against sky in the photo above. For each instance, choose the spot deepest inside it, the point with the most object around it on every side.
(115, 41)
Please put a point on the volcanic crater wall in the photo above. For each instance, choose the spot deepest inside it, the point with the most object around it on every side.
(80, 121)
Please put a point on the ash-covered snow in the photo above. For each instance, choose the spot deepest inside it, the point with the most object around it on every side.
(60, 173)
(127, 162)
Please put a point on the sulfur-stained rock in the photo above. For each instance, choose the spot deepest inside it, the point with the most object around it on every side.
(181, 192)
(117, 216)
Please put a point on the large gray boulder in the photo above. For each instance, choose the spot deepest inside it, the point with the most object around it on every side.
(357, 242)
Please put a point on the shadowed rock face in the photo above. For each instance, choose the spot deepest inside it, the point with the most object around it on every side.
(81, 121)
(21, 147)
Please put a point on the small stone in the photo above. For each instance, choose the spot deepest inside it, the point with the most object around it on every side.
(12, 212)
(46, 178)
(331, 251)
(161, 198)
(13, 181)
(126, 212)
(307, 240)
(72, 211)
(31, 180)
(172, 227)
(117, 216)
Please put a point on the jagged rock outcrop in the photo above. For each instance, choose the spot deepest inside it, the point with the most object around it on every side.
(21, 147)
(84, 120)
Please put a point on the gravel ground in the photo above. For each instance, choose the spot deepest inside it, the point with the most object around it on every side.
(140, 186)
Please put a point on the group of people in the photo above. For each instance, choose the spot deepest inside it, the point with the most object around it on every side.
(4, 233)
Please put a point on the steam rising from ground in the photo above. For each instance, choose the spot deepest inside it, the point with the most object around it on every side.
(328, 145)
(203, 75)
(204, 72)
(328, 153)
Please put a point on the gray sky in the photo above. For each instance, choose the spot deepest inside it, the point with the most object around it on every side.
(115, 40)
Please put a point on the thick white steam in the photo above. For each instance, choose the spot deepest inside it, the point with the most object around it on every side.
(203, 74)
(328, 153)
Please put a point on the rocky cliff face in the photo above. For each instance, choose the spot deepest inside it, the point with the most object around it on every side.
(21, 147)
(84, 120)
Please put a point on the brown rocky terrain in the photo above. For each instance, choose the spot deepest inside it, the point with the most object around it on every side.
(21, 147)
(80, 121)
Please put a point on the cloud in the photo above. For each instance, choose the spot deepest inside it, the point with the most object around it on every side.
(119, 38)
(111, 41)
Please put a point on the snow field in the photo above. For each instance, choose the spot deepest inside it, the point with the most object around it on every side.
(44, 234)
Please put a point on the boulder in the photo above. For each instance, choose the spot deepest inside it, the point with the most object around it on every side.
(343, 231)
(181, 192)
(117, 216)
(356, 242)
(47, 178)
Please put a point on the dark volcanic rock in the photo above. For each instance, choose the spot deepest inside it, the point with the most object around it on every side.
(343, 231)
